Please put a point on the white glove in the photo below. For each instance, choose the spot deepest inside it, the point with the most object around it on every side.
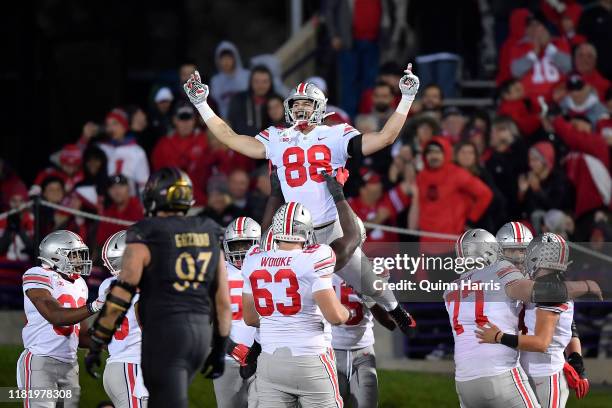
(409, 84)
(195, 89)
(96, 305)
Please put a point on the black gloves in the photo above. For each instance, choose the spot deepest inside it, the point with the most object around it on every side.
(334, 187)
(215, 362)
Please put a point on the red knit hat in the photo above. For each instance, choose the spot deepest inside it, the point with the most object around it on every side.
(70, 155)
(545, 152)
(120, 116)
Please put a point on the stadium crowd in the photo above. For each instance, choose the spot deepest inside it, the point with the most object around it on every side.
(541, 155)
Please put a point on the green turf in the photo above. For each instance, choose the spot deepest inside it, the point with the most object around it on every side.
(397, 388)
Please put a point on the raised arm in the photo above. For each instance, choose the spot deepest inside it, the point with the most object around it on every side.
(275, 200)
(345, 246)
(247, 145)
(375, 141)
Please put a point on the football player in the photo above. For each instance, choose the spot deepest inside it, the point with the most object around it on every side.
(176, 261)
(548, 328)
(231, 390)
(55, 302)
(302, 152)
(489, 375)
(288, 294)
(513, 238)
(353, 344)
(122, 377)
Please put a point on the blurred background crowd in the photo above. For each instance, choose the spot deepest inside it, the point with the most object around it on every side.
(512, 121)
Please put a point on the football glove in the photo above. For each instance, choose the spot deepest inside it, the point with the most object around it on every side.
(214, 366)
(574, 374)
(92, 359)
(239, 353)
(334, 187)
(403, 320)
(195, 89)
(409, 84)
(250, 367)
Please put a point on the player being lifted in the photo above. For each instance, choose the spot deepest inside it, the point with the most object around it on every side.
(288, 294)
(231, 389)
(55, 301)
(302, 152)
(489, 375)
(122, 378)
(548, 329)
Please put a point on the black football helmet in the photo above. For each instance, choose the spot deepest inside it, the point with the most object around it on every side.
(168, 189)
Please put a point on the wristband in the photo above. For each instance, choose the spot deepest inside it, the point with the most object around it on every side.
(205, 111)
(509, 340)
(404, 105)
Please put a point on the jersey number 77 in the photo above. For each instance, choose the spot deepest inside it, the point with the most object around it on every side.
(455, 296)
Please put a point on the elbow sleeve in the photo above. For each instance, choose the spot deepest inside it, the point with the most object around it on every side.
(549, 292)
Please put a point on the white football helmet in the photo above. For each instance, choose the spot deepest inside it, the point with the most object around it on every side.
(308, 91)
(65, 252)
(266, 243)
(477, 244)
(292, 222)
(112, 252)
(514, 235)
(241, 230)
(549, 251)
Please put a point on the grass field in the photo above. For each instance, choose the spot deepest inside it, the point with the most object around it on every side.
(397, 388)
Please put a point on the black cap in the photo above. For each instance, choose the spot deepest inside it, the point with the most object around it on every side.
(184, 112)
(574, 82)
(118, 179)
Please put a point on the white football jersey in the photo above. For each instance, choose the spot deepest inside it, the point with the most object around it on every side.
(240, 332)
(357, 332)
(552, 360)
(125, 344)
(301, 158)
(40, 337)
(469, 306)
(282, 284)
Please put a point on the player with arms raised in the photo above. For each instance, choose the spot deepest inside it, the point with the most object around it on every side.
(302, 152)
(288, 294)
(55, 302)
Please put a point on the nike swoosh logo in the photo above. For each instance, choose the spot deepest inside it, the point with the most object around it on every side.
(321, 138)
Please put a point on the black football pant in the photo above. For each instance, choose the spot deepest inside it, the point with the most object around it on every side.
(173, 351)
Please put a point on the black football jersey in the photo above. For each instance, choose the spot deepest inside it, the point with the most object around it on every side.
(181, 277)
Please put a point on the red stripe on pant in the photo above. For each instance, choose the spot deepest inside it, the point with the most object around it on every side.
(523, 391)
(331, 371)
(27, 364)
(132, 378)
(554, 402)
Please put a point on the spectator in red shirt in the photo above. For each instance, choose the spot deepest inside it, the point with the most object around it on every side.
(375, 205)
(187, 148)
(518, 22)
(123, 207)
(585, 63)
(69, 168)
(449, 196)
(538, 60)
(523, 111)
(354, 28)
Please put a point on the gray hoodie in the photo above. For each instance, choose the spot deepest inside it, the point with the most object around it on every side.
(223, 86)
